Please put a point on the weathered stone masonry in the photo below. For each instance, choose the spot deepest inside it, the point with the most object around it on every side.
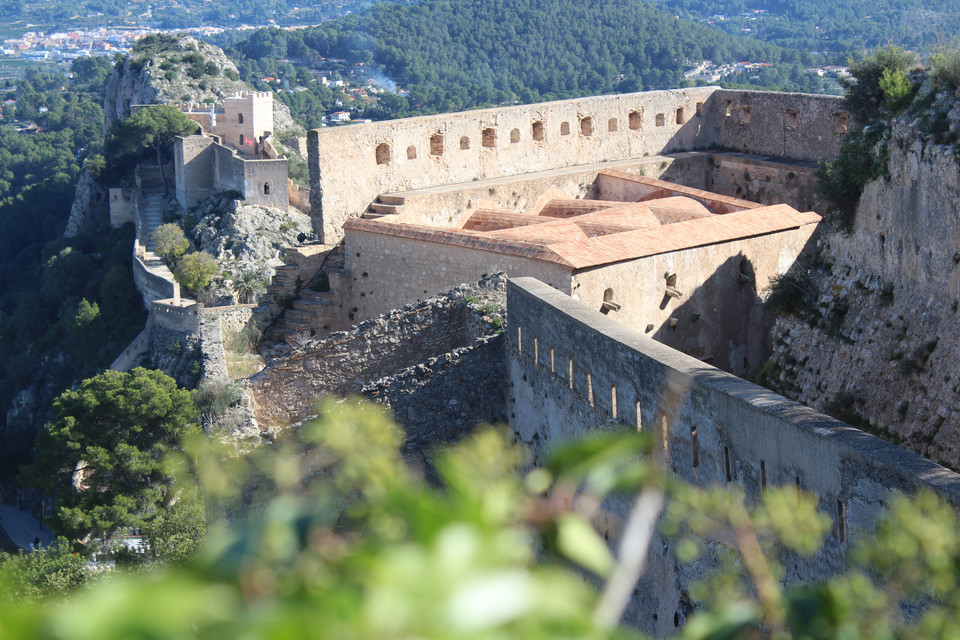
(351, 166)
(571, 368)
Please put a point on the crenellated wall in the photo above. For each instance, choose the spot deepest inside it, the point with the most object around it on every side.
(350, 166)
(571, 369)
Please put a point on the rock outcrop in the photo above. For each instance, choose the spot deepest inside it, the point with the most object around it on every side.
(878, 344)
(244, 238)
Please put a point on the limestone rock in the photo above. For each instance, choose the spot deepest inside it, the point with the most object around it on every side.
(244, 237)
(90, 206)
(141, 80)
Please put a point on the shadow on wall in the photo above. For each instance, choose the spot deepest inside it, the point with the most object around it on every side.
(723, 321)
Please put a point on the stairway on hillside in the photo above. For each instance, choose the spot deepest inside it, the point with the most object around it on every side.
(312, 312)
(385, 206)
(151, 217)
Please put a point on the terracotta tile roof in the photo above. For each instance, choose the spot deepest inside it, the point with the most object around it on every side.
(492, 220)
(651, 188)
(586, 233)
(564, 208)
(548, 233)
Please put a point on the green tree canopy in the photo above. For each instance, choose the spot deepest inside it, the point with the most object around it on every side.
(169, 241)
(879, 80)
(101, 455)
(151, 128)
(195, 270)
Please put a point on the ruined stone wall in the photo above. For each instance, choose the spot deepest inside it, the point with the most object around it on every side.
(123, 206)
(228, 169)
(343, 362)
(571, 369)
(214, 322)
(785, 125)
(150, 285)
(350, 166)
(388, 272)
(720, 318)
(766, 181)
(443, 398)
(265, 182)
(182, 315)
(450, 205)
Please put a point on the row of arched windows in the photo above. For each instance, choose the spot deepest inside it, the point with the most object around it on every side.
(488, 135)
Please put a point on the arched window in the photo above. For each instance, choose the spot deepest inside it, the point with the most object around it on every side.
(383, 153)
(538, 131)
(488, 138)
(240, 118)
(240, 143)
(266, 188)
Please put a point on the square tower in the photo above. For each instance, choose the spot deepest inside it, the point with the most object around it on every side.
(246, 117)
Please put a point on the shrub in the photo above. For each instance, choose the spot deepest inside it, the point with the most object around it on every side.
(842, 180)
(945, 68)
(214, 397)
(195, 270)
(867, 89)
(170, 241)
(789, 293)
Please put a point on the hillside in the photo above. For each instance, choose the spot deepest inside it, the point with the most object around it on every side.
(453, 55)
(837, 27)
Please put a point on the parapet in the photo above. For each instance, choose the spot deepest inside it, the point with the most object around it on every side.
(351, 165)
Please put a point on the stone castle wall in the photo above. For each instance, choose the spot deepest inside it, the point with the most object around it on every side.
(571, 369)
(443, 398)
(350, 166)
(204, 167)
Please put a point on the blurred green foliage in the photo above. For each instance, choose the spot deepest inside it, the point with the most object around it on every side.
(328, 533)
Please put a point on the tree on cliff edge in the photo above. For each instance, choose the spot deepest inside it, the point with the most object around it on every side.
(102, 453)
(153, 127)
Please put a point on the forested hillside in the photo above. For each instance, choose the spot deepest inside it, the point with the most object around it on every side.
(67, 305)
(838, 27)
(457, 54)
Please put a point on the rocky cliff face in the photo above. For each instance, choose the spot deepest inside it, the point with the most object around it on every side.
(244, 237)
(165, 75)
(159, 75)
(879, 343)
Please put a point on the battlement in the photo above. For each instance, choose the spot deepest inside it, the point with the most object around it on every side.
(571, 369)
(350, 166)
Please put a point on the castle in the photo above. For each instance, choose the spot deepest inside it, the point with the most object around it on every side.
(232, 152)
(652, 215)
(638, 214)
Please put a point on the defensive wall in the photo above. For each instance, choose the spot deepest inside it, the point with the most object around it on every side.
(570, 369)
(351, 166)
(204, 167)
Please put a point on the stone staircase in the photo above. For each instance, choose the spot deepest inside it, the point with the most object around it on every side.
(151, 217)
(385, 206)
(312, 312)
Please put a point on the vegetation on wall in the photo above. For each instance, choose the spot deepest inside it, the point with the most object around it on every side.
(881, 86)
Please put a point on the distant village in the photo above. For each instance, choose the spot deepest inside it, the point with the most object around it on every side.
(354, 81)
(707, 71)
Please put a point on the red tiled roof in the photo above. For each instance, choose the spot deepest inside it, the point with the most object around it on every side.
(651, 188)
(586, 233)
